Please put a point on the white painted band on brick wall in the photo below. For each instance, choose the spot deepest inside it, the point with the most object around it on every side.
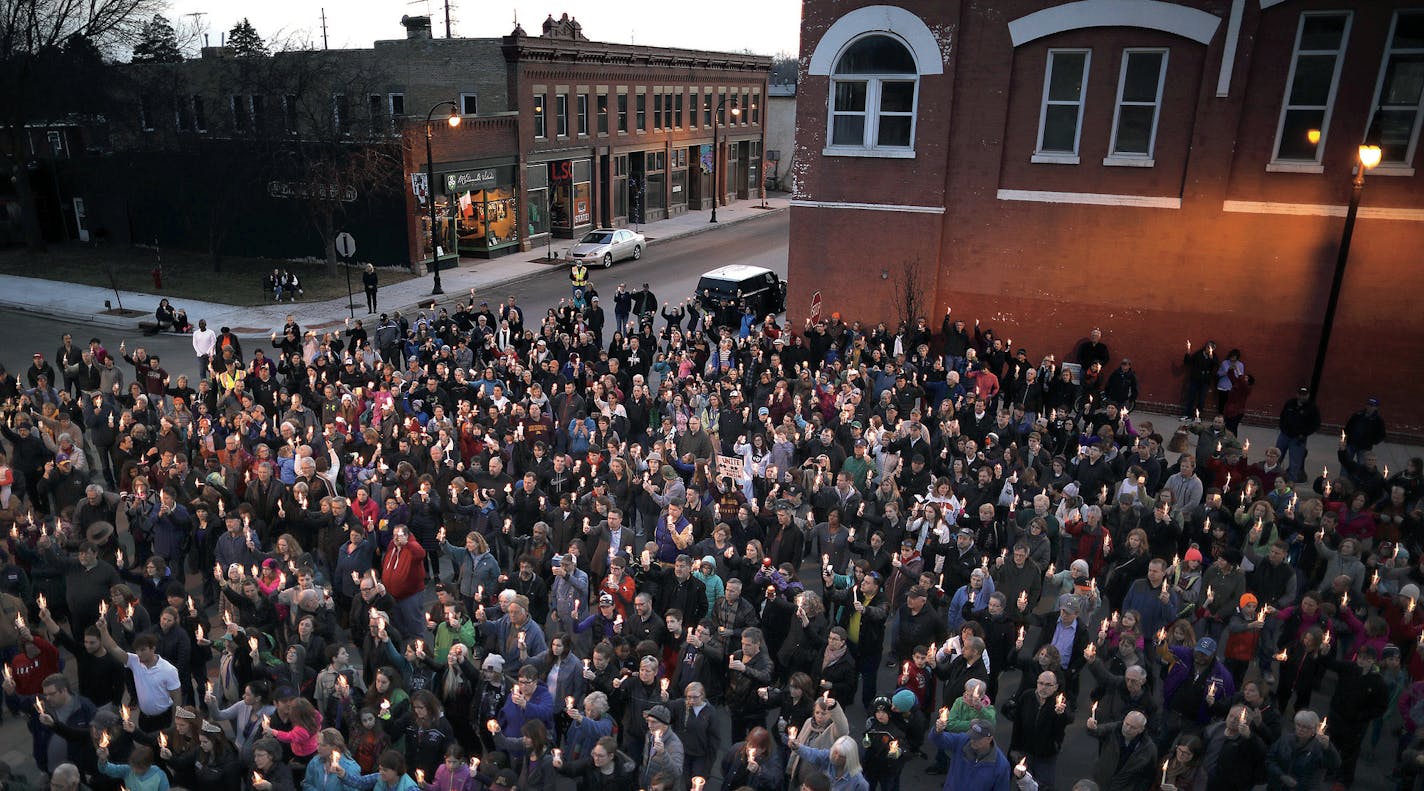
(1091, 198)
(1321, 210)
(1197, 25)
(878, 18)
(900, 207)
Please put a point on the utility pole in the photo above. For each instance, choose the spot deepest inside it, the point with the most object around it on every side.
(447, 20)
(323, 29)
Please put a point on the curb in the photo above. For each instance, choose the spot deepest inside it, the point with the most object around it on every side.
(132, 323)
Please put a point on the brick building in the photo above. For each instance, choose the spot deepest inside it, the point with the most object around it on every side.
(557, 134)
(1165, 170)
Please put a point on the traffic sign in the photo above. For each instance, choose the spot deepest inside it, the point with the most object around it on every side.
(816, 307)
(345, 245)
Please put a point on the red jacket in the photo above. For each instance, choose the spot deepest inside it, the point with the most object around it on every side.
(403, 569)
(30, 673)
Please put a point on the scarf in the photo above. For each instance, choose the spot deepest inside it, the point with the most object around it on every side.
(832, 655)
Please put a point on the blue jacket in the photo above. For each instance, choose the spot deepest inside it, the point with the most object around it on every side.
(373, 782)
(821, 759)
(967, 774)
(319, 778)
(956, 604)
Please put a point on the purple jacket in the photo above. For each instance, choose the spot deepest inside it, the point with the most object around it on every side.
(667, 550)
(1181, 671)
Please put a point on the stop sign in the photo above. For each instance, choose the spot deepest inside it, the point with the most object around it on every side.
(816, 307)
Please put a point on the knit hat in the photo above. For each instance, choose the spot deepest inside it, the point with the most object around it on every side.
(1193, 554)
(660, 713)
(1247, 599)
(903, 700)
(1411, 590)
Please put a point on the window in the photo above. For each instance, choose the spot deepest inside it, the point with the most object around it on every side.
(641, 118)
(340, 115)
(240, 115)
(289, 113)
(1060, 120)
(469, 104)
(583, 114)
(56, 143)
(200, 114)
(258, 103)
(376, 105)
(657, 111)
(1139, 100)
(692, 109)
(561, 114)
(746, 115)
(1310, 90)
(603, 113)
(873, 94)
(540, 127)
(395, 105)
(1400, 94)
(677, 109)
(145, 113)
(622, 113)
(707, 109)
(182, 115)
(756, 107)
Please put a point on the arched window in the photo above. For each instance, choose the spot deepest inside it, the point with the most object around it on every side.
(874, 87)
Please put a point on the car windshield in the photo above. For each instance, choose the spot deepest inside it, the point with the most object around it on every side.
(597, 237)
(717, 286)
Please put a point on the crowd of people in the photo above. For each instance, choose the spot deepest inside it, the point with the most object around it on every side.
(479, 550)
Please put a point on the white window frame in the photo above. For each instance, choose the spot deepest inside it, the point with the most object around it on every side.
(1405, 168)
(469, 97)
(869, 141)
(581, 127)
(1114, 157)
(1276, 164)
(561, 115)
(1059, 157)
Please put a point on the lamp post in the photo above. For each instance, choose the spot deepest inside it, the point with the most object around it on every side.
(1369, 157)
(454, 121)
(717, 154)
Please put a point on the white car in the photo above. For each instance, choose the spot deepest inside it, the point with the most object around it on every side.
(606, 245)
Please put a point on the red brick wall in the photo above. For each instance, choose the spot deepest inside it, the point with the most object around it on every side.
(1151, 278)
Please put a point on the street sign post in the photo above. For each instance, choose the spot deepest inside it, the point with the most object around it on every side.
(346, 248)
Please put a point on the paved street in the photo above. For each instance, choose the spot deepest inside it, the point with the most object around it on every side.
(672, 269)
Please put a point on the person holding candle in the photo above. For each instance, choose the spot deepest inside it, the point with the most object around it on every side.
(700, 726)
(139, 773)
(662, 748)
(267, 771)
(1300, 760)
(602, 768)
(887, 747)
(1040, 716)
(67, 716)
(826, 724)
(390, 775)
(331, 753)
(1127, 757)
(978, 764)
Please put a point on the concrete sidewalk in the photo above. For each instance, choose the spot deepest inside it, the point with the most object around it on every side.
(84, 303)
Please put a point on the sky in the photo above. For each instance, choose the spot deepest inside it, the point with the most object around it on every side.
(766, 27)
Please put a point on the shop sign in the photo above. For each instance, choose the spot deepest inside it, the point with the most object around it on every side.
(582, 214)
(470, 180)
(418, 186)
(332, 192)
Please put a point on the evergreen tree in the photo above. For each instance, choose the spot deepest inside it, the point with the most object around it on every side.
(244, 41)
(158, 43)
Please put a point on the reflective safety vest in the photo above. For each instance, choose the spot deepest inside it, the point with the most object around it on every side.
(579, 275)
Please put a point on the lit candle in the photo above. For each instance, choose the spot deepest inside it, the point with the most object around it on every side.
(665, 686)
(1164, 771)
(1094, 712)
(104, 740)
(420, 776)
(697, 783)
(569, 702)
(163, 741)
(791, 733)
(335, 759)
(200, 632)
(944, 714)
(103, 609)
(124, 712)
(1323, 721)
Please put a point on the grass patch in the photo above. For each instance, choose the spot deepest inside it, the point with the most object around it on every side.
(186, 275)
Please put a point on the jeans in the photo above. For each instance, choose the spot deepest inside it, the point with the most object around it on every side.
(1196, 397)
(1295, 452)
(1044, 770)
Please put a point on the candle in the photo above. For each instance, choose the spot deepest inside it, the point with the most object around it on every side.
(1283, 655)
(944, 714)
(665, 686)
(1164, 770)
(163, 741)
(124, 712)
(256, 778)
(209, 688)
(103, 609)
(492, 726)
(19, 622)
(1093, 714)
(420, 776)
(569, 701)
(1021, 634)
(39, 705)
(104, 740)
(335, 759)
(200, 632)
(697, 783)
(791, 733)
(1323, 721)
(1023, 600)
(1022, 765)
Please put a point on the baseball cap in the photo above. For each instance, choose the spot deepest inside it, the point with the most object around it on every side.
(493, 662)
(1207, 646)
(1068, 602)
(978, 729)
(606, 600)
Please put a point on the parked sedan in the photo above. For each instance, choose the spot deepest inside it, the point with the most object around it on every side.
(606, 245)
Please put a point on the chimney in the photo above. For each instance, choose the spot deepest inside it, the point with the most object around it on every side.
(416, 26)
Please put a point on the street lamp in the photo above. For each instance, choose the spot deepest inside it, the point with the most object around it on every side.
(454, 121)
(1369, 157)
(716, 154)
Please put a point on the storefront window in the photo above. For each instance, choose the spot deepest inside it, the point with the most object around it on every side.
(570, 194)
(655, 184)
(538, 211)
(678, 178)
(485, 206)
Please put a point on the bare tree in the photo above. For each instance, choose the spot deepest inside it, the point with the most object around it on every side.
(912, 282)
(34, 35)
